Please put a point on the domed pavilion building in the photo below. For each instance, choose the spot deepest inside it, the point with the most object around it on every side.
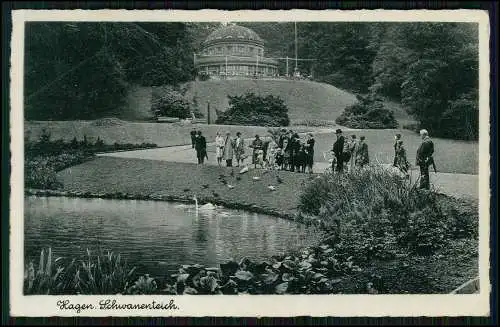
(234, 52)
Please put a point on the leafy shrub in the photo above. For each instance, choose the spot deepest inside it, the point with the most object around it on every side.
(415, 127)
(312, 271)
(43, 159)
(464, 217)
(426, 232)
(144, 285)
(39, 174)
(40, 170)
(380, 214)
(250, 109)
(368, 112)
(171, 103)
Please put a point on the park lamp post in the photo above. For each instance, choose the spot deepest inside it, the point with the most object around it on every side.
(208, 112)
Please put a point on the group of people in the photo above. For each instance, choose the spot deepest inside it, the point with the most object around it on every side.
(226, 148)
(352, 153)
(424, 160)
(349, 154)
(288, 153)
(293, 154)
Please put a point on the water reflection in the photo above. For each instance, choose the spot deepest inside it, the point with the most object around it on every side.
(154, 236)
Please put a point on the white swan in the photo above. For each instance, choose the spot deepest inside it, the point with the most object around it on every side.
(206, 206)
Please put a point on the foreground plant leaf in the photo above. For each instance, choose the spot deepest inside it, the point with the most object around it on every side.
(190, 291)
(208, 283)
(281, 288)
(229, 268)
(243, 275)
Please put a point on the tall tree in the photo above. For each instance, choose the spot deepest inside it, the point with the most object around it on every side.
(344, 52)
(82, 70)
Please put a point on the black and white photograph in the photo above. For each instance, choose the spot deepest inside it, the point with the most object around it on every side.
(242, 156)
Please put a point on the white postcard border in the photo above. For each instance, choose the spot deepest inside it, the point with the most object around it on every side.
(256, 305)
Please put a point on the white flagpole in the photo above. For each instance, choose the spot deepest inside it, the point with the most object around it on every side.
(296, 46)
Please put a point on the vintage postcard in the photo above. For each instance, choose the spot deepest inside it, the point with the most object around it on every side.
(250, 163)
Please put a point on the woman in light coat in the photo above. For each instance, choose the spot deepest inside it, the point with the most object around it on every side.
(362, 157)
(239, 149)
(353, 149)
(228, 150)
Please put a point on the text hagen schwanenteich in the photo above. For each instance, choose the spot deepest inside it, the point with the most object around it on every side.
(109, 304)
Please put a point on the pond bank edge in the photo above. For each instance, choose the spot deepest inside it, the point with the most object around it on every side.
(468, 287)
(158, 197)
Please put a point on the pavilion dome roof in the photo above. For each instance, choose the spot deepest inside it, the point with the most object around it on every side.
(233, 32)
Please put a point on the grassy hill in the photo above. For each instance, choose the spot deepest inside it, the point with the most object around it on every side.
(306, 100)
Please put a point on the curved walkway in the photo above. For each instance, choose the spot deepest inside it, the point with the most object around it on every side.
(457, 185)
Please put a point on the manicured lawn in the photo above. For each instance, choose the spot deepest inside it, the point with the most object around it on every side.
(183, 180)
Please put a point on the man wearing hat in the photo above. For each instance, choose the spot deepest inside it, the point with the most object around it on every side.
(425, 158)
(338, 150)
(256, 145)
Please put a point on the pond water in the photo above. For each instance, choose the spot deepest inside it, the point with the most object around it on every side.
(156, 237)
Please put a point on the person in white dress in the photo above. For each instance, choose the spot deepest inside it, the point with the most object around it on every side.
(271, 154)
(219, 148)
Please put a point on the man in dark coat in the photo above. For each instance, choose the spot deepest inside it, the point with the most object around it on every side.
(200, 147)
(193, 138)
(397, 138)
(294, 150)
(425, 158)
(338, 150)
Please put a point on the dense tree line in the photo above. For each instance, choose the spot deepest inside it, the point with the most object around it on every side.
(83, 70)
(431, 68)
